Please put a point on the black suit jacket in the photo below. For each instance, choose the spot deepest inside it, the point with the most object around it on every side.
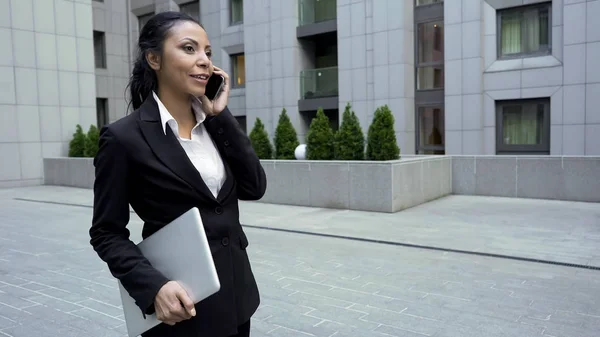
(138, 165)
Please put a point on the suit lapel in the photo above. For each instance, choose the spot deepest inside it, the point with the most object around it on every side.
(168, 149)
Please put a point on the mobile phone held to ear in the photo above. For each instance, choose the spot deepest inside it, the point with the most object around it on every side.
(214, 86)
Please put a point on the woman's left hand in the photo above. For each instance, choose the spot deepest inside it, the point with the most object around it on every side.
(216, 106)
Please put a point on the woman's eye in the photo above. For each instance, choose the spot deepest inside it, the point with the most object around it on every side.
(209, 54)
(189, 48)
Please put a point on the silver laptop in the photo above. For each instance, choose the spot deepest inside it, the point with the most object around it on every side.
(181, 252)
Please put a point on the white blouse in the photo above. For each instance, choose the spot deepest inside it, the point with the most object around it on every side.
(201, 149)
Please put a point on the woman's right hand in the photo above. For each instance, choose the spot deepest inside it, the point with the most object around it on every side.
(172, 304)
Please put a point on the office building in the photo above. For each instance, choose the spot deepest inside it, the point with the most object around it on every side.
(471, 77)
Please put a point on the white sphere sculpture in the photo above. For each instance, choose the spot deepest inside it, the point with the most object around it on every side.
(300, 152)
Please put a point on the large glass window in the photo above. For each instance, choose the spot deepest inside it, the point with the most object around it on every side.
(430, 55)
(236, 8)
(524, 31)
(238, 65)
(192, 9)
(430, 126)
(99, 49)
(523, 126)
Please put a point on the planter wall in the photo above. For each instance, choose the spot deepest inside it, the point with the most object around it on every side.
(74, 172)
(362, 185)
(558, 178)
(396, 185)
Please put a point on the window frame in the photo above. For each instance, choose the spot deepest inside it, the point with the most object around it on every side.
(103, 62)
(420, 148)
(234, 64)
(102, 109)
(231, 20)
(519, 149)
(143, 18)
(541, 52)
(183, 7)
(418, 64)
(435, 2)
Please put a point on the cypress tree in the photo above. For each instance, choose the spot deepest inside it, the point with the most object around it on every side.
(381, 138)
(319, 140)
(260, 141)
(286, 139)
(91, 142)
(77, 143)
(349, 139)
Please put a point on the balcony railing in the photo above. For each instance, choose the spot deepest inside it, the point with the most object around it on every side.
(317, 83)
(313, 11)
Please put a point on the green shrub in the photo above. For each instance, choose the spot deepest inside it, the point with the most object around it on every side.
(260, 141)
(91, 142)
(381, 138)
(77, 144)
(319, 140)
(286, 139)
(349, 139)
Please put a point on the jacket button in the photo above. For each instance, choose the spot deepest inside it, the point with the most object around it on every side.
(226, 143)
(220, 131)
(225, 241)
(219, 210)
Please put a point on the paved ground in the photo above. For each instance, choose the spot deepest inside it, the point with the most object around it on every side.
(52, 284)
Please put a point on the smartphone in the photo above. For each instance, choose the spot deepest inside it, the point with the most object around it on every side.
(214, 86)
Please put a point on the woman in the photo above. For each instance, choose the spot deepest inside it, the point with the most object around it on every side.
(177, 150)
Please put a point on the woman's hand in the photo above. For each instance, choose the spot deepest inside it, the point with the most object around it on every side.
(168, 304)
(215, 107)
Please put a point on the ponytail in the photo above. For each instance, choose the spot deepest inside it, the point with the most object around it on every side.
(142, 82)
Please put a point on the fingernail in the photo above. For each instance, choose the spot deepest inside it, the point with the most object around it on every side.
(194, 312)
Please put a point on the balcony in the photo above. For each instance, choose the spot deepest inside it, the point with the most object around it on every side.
(316, 17)
(319, 88)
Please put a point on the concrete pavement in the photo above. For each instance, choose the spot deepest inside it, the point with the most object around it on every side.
(53, 284)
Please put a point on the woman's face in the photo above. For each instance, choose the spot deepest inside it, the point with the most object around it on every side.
(185, 64)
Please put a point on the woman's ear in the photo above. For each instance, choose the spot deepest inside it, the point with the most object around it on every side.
(153, 60)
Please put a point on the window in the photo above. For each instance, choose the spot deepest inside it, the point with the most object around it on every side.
(238, 65)
(524, 31)
(523, 126)
(143, 19)
(192, 9)
(427, 2)
(430, 55)
(99, 49)
(431, 131)
(236, 9)
(101, 112)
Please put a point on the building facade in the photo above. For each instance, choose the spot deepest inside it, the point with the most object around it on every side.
(470, 77)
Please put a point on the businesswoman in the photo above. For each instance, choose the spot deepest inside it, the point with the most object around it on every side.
(175, 151)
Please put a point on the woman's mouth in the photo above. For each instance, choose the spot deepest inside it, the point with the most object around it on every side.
(202, 78)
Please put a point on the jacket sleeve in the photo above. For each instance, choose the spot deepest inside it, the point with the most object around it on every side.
(237, 151)
(108, 233)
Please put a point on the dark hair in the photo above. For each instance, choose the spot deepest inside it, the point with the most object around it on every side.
(143, 78)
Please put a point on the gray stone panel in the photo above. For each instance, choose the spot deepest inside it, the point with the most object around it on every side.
(289, 183)
(542, 178)
(495, 176)
(370, 188)
(463, 175)
(330, 185)
(582, 178)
